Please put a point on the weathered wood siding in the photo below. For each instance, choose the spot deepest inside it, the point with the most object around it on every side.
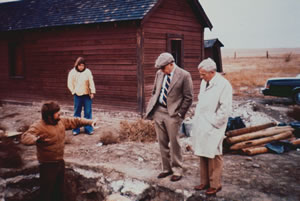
(120, 55)
(110, 51)
(172, 17)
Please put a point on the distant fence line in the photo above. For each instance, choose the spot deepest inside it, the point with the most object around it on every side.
(259, 53)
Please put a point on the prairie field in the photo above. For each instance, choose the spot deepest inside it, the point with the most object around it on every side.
(249, 73)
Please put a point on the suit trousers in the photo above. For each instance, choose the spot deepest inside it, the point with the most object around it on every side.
(211, 171)
(167, 129)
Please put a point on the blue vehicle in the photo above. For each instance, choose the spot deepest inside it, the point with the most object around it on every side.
(283, 87)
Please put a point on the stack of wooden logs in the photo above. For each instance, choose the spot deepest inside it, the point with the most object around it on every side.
(252, 140)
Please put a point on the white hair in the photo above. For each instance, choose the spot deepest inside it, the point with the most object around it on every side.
(208, 65)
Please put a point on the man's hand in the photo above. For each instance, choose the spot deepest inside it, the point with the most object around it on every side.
(37, 138)
(91, 96)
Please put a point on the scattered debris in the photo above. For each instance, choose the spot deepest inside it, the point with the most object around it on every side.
(10, 153)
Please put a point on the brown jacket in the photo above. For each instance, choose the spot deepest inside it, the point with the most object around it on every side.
(180, 95)
(51, 142)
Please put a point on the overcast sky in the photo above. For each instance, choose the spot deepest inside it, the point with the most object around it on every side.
(254, 23)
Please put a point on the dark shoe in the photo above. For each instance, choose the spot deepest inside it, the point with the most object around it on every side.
(201, 187)
(213, 191)
(164, 174)
(175, 178)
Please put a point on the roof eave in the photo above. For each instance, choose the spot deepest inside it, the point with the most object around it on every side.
(205, 19)
(151, 11)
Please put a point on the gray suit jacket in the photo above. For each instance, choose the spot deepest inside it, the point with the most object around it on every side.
(180, 95)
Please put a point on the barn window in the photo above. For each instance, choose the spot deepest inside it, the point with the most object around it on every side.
(16, 60)
(175, 47)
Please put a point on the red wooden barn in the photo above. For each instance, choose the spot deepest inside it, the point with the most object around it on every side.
(212, 49)
(120, 39)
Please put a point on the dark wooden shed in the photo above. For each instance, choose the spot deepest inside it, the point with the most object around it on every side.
(213, 50)
(120, 39)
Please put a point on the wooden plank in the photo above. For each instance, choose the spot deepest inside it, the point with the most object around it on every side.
(140, 71)
(12, 133)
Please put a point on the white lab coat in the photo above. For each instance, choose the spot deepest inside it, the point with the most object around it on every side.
(211, 116)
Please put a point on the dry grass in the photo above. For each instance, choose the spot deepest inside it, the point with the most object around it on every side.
(136, 131)
(140, 131)
(248, 74)
(109, 137)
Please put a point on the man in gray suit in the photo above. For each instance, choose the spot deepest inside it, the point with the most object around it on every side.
(172, 96)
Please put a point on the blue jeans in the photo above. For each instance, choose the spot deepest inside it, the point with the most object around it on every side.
(86, 102)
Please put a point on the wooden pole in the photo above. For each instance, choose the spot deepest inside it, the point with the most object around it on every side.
(262, 149)
(262, 133)
(296, 142)
(260, 141)
(255, 150)
(249, 129)
(12, 133)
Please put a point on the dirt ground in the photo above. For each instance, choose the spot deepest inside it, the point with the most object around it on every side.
(262, 177)
(267, 177)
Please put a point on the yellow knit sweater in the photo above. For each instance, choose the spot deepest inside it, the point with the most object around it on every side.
(81, 83)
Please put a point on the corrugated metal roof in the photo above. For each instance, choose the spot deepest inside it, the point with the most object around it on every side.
(28, 14)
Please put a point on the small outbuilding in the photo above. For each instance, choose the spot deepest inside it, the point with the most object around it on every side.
(213, 50)
(120, 40)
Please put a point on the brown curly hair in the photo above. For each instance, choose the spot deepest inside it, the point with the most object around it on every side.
(48, 111)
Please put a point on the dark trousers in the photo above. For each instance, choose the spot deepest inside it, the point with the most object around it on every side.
(52, 176)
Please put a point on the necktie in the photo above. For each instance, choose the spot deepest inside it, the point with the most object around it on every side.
(207, 84)
(166, 89)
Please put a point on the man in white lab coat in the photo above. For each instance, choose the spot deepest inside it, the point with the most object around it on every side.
(210, 121)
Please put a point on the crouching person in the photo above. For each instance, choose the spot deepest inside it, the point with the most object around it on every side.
(48, 134)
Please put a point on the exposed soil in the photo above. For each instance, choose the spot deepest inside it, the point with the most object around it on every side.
(262, 177)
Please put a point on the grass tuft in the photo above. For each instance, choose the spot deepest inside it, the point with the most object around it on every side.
(138, 131)
(109, 137)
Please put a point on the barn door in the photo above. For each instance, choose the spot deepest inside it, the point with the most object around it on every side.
(16, 59)
(175, 47)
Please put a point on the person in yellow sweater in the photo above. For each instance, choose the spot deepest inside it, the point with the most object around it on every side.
(48, 134)
(81, 85)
